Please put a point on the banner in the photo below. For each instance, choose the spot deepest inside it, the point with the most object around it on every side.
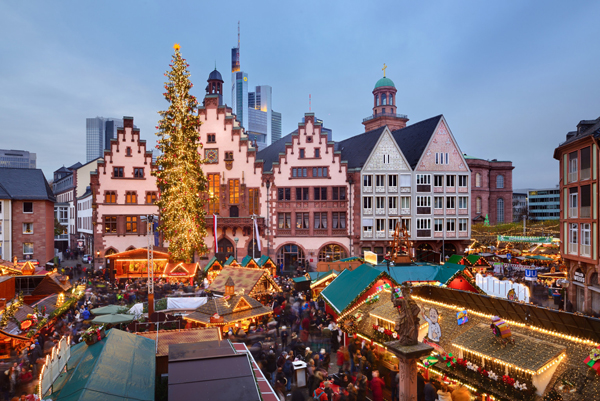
(215, 232)
(517, 238)
(257, 236)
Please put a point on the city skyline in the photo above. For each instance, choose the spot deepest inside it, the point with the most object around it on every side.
(511, 80)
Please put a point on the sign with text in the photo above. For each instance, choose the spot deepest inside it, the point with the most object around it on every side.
(579, 277)
(530, 274)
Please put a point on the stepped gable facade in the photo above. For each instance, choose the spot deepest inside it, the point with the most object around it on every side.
(123, 191)
(235, 183)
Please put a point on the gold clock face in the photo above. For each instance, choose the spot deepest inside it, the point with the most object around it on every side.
(245, 78)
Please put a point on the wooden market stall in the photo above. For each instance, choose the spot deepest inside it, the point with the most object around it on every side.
(180, 272)
(133, 264)
(212, 269)
(264, 262)
(315, 281)
(257, 283)
(234, 310)
(231, 262)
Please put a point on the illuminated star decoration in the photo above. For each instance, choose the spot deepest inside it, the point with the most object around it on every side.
(176, 46)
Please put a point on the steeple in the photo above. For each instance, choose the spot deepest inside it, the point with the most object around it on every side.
(384, 106)
(215, 85)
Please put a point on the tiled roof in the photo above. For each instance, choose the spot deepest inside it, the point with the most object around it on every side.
(413, 139)
(168, 337)
(526, 353)
(270, 154)
(24, 184)
(244, 278)
(349, 284)
(357, 149)
(594, 130)
(225, 308)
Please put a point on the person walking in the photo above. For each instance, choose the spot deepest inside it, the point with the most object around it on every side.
(377, 386)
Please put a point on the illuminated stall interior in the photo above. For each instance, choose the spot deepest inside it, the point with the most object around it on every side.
(264, 262)
(256, 283)
(134, 264)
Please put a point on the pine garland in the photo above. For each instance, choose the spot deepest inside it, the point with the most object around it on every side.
(181, 181)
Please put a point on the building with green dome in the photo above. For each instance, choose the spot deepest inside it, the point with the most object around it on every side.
(384, 107)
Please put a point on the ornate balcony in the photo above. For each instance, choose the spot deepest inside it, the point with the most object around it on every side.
(367, 210)
(367, 234)
(380, 234)
(405, 211)
(380, 189)
(393, 189)
(380, 211)
(393, 210)
(235, 222)
(368, 189)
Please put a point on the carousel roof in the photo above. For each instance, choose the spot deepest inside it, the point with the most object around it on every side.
(232, 309)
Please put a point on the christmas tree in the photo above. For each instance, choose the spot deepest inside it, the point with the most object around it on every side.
(181, 181)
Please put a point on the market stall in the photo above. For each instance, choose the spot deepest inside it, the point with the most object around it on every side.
(212, 269)
(254, 282)
(264, 262)
(180, 272)
(134, 264)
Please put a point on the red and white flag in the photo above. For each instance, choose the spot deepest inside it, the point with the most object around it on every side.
(215, 232)
(257, 236)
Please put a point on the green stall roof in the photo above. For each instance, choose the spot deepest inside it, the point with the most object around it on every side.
(210, 263)
(422, 272)
(120, 367)
(350, 284)
(455, 259)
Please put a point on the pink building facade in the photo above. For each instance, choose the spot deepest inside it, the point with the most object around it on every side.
(123, 190)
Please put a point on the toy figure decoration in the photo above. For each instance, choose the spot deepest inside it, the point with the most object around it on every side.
(434, 332)
(502, 331)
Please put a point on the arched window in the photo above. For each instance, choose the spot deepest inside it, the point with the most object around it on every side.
(257, 253)
(330, 253)
(500, 181)
(383, 99)
(391, 99)
(291, 256)
(377, 100)
(478, 180)
(500, 210)
(478, 205)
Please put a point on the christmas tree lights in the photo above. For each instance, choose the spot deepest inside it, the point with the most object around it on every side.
(181, 181)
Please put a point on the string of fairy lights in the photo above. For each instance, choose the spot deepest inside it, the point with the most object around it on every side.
(181, 181)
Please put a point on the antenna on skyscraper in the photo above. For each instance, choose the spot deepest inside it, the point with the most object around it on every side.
(238, 34)
(309, 102)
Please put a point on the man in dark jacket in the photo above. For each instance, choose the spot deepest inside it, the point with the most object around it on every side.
(272, 365)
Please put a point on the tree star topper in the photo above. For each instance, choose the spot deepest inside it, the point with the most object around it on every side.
(176, 46)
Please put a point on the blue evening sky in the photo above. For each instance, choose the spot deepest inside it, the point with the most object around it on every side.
(511, 77)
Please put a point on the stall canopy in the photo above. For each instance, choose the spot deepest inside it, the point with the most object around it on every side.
(108, 310)
(553, 320)
(537, 257)
(183, 270)
(116, 318)
(349, 285)
(212, 265)
(120, 367)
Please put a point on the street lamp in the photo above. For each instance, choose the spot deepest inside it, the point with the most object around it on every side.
(236, 239)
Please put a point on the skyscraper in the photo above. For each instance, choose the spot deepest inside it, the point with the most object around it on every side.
(17, 158)
(240, 101)
(99, 131)
(275, 126)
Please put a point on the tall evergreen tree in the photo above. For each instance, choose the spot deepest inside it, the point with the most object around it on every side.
(180, 178)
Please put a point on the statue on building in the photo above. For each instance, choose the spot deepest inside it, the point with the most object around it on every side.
(407, 323)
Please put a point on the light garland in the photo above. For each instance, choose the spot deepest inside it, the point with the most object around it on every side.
(511, 322)
(510, 365)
